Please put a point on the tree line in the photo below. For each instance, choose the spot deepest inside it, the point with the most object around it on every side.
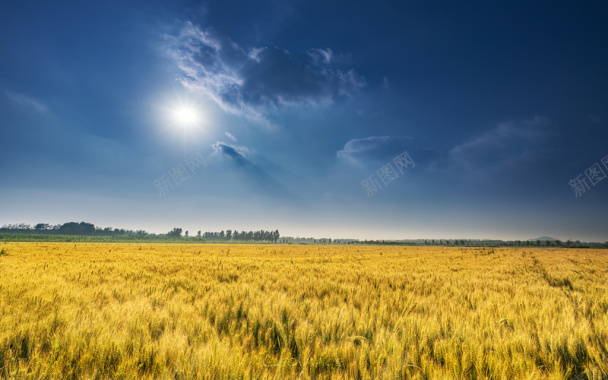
(230, 235)
(70, 228)
(89, 229)
(45, 231)
(449, 242)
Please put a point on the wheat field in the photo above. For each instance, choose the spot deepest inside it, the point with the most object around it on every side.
(172, 311)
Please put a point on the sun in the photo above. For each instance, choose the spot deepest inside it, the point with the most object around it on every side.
(186, 116)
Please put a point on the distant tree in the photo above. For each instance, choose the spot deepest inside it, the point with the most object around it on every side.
(228, 235)
(198, 234)
(73, 228)
(176, 232)
(41, 226)
(186, 233)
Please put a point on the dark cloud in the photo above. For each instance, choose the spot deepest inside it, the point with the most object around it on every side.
(256, 174)
(253, 81)
(230, 152)
(281, 78)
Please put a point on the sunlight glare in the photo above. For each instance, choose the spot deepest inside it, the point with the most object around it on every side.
(186, 116)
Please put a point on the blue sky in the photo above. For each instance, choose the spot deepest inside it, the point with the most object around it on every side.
(303, 111)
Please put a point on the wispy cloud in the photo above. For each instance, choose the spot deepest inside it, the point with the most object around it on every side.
(372, 149)
(252, 81)
(321, 56)
(386, 84)
(22, 100)
(230, 136)
(501, 144)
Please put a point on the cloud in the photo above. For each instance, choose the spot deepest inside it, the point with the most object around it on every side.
(256, 174)
(25, 101)
(505, 143)
(321, 56)
(237, 153)
(373, 149)
(230, 136)
(386, 84)
(254, 81)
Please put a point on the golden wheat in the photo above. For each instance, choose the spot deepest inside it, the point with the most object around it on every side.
(126, 311)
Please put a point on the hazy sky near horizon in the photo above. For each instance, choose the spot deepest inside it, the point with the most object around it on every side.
(300, 114)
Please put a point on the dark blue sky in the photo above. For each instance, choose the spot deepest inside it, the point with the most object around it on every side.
(303, 110)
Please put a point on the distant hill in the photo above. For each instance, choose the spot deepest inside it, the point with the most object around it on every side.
(544, 238)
